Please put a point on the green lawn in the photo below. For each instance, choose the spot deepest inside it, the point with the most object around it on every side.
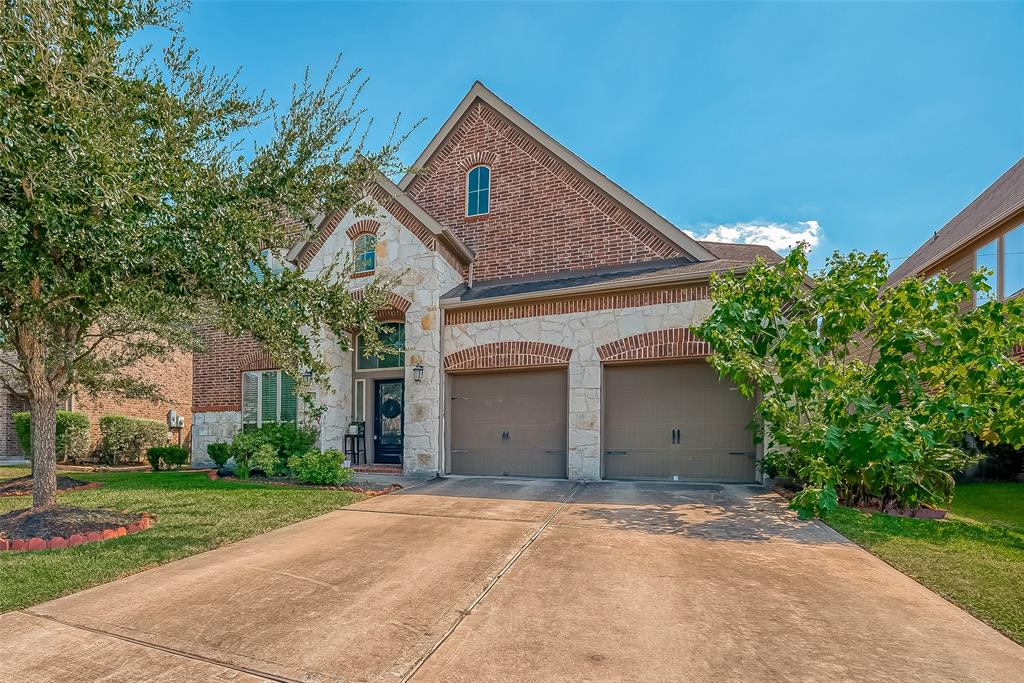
(974, 559)
(193, 514)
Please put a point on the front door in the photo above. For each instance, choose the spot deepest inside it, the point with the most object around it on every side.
(388, 411)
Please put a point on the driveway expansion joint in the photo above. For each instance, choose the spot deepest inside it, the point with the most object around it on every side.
(466, 611)
(169, 650)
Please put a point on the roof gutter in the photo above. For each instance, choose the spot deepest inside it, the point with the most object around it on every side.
(637, 283)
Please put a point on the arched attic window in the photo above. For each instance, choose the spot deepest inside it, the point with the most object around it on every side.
(364, 253)
(478, 191)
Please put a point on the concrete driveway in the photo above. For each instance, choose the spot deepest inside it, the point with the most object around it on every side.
(496, 579)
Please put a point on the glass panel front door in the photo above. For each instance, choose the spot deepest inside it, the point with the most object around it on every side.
(388, 421)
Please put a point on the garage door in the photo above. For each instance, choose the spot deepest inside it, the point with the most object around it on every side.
(509, 423)
(666, 420)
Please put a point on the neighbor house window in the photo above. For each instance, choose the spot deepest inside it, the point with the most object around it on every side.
(268, 396)
(988, 257)
(364, 253)
(478, 191)
(391, 335)
(1013, 261)
(1004, 259)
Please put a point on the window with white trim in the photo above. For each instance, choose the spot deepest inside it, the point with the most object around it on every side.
(272, 261)
(268, 396)
(1003, 257)
(364, 253)
(478, 191)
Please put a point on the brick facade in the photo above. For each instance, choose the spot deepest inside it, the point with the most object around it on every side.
(218, 380)
(506, 355)
(173, 379)
(544, 217)
(677, 343)
(577, 304)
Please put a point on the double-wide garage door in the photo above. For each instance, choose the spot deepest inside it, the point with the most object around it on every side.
(661, 421)
(675, 421)
(509, 423)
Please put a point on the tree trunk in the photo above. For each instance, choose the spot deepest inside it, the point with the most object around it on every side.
(43, 408)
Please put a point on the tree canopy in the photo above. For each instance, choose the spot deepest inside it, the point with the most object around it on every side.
(866, 392)
(136, 196)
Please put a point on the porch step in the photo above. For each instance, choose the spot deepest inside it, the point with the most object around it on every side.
(13, 461)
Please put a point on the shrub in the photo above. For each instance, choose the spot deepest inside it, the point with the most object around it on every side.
(125, 439)
(219, 453)
(265, 460)
(72, 442)
(172, 456)
(286, 440)
(321, 468)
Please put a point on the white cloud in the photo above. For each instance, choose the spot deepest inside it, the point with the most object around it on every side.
(778, 236)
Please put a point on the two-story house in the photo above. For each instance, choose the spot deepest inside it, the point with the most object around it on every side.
(545, 314)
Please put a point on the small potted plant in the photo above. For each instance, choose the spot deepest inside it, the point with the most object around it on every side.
(357, 427)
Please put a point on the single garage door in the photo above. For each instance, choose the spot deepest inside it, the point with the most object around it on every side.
(509, 423)
(668, 420)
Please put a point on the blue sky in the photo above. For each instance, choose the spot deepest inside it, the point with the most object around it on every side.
(867, 124)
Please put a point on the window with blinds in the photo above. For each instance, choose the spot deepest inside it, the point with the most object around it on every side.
(268, 396)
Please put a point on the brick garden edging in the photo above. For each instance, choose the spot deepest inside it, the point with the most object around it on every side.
(390, 488)
(90, 485)
(17, 545)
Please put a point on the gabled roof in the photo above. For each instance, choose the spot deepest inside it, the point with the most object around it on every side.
(1001, 200)
(479, 92)
(304, 250)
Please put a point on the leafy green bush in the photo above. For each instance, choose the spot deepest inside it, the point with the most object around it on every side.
(321, 468)
(172, 456)
(219, 453)
(125, 439)
(865, 390)
(73, 437)
(286, 440)
(265, 460)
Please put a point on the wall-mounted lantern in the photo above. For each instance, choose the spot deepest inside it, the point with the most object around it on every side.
(417, 373)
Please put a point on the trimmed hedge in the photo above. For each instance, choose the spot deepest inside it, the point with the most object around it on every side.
(125, 439)
(322, 468)
(219, 453)
(172, 456)
(73, 438)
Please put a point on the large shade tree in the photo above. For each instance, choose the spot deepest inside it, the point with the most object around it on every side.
(868, 394)
(137, 191)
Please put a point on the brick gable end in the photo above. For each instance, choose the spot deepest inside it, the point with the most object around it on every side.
(544, 217)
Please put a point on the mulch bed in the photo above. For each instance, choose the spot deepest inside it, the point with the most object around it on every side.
(22, 486)
(788, 491)
(368, 487)
(60, 526)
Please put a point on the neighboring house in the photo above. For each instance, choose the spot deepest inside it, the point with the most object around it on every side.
(173, 377)
(546, 315)
(988, 233)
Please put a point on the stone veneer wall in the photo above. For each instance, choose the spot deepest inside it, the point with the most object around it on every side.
(210, 428)
(583, 333)
(425, 275)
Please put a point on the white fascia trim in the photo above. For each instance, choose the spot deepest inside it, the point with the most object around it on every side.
(631, 203)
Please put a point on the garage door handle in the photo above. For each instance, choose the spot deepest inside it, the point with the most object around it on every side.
(750, 453)
(616, 452)
(556, 452)
(460, 450)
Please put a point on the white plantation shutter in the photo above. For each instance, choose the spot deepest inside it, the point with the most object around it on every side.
(250, 398)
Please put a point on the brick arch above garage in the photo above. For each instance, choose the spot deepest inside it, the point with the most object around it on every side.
(508, 355)
(673, 343)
